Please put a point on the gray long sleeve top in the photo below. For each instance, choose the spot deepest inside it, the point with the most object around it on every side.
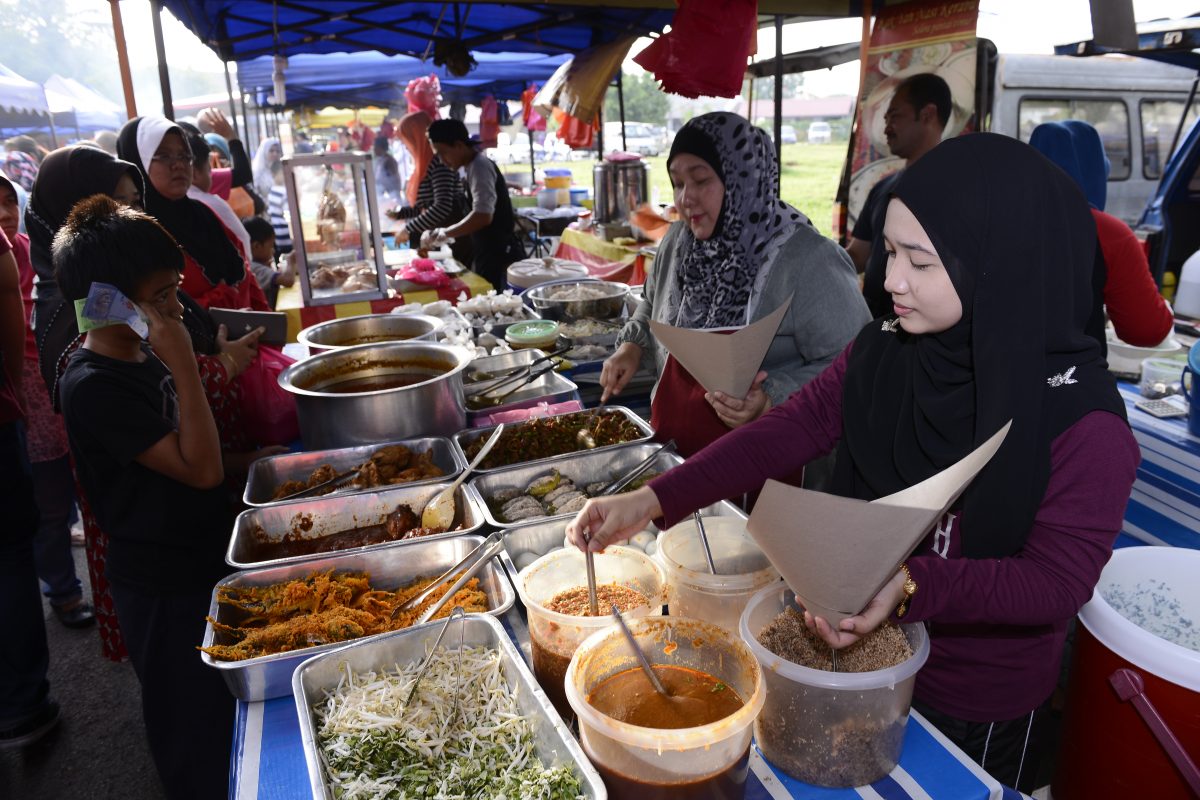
(827, 309)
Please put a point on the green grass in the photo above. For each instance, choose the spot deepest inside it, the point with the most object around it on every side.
(809, 181)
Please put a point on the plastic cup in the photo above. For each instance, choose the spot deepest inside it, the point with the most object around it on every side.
(742, 570)
(833, 729)
(636, 763)
(554, 637)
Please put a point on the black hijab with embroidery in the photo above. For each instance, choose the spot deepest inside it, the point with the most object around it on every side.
(197, 229)
(718, 280)
(1018, 242)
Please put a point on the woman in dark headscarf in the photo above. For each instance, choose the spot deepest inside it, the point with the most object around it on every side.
(990, 259)
(736, 255)
(67, 176)
(215, 271)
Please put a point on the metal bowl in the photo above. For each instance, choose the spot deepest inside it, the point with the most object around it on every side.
(549, 303)
(337, 334)
(429, 404)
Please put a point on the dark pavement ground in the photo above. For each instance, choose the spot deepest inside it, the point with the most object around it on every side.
(99, 749)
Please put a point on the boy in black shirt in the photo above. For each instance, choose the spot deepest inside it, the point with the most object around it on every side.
(149, 461)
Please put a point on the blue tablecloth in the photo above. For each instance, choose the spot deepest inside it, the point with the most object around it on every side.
(1164, 507)
(269, 760)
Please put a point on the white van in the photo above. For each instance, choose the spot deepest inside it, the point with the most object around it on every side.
(1134, 103)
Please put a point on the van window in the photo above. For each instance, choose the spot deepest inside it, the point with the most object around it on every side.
(1160, 118)
(1109, 117)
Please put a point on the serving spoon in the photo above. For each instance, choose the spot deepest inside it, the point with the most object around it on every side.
(439, 512)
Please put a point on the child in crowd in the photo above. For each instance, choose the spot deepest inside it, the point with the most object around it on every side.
(148, 456)
(262, 259)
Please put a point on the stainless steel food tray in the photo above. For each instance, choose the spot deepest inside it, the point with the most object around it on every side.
(553, 741)
(463, 439)
(548, 388)
(389, 567)
(582, 468)
(267, 474)
(505, 362)
(545, 536)
(324, 516)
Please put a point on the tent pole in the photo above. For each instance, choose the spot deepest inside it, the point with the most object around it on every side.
(532, 163)
(779, 95)
(164, 78)
(232, 107)
(245, 120)
(621, 105)
(123, 58)
(53, 132)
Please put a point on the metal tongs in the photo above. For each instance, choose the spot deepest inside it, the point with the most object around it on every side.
(472, 563)
(522, 370)
(461, 615)
(529, 377)
(635, 473)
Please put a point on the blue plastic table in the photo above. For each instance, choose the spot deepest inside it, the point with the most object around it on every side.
(1164, 508)
(269, 760)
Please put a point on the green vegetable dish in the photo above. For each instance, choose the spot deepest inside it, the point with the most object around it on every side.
(554, 436)
(477, 746)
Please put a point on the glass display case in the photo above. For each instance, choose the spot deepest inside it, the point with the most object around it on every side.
(335, 227)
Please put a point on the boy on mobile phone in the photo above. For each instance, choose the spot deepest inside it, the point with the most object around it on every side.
(149, 461)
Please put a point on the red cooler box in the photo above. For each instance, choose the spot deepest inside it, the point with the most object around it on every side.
(1145, 617)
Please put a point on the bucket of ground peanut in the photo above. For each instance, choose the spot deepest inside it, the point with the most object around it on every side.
(834, 729)
(554, 591)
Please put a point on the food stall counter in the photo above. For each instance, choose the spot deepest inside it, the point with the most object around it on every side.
(606, 260)
(268, 758)
(300, 316)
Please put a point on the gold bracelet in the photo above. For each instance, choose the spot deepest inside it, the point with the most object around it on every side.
(229, 364)
(910, 588)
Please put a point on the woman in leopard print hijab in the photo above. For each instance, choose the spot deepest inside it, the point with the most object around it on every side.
(719, 280)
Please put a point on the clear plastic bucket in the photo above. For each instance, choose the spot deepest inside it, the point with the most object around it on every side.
(553, 637)
(742, 570)
(832, 729)
(637, 763)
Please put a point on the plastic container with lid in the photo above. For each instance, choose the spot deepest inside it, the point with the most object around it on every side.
(1107, 749)
(831, 729)
(532, 271)
(637, 762)
(537, 333)
(554, 637)
(742, 570)
(558, 179)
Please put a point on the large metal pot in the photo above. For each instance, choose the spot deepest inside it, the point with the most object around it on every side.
(337, 334)
(621, 186)
(330, 417)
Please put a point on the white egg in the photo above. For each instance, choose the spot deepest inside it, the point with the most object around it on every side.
(523, 560)
(642, 540)
(652, 548)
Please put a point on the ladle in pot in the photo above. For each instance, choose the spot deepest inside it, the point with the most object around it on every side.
(712, 567)
(638, 654)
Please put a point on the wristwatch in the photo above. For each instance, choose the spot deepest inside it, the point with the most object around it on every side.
(909, 588)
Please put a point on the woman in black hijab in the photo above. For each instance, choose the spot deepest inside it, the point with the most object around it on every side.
(215, 271)
(990, 262)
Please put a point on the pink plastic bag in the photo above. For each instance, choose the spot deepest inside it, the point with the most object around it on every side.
(268, 411)
(424, 94)
(489, 122)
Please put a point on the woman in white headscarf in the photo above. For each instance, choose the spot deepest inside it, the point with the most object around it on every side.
(269, 151)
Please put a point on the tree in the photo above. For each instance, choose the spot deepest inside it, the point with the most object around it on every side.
(644, 101)
(764, 88)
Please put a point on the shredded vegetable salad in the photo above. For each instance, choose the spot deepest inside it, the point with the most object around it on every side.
(478, 748)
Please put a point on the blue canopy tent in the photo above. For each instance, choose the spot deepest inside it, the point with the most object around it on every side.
(76, 107)
(369, 78)
(23, 106)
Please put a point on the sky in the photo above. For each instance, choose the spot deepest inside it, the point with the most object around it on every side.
(1006, 22)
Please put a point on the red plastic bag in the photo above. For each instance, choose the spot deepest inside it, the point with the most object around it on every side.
(533, 120)
(489, 122)
(268, 411)
(704, 54)
(577, 134)
(424, 94)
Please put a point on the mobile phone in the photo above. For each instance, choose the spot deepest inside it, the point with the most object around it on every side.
(239, 323)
